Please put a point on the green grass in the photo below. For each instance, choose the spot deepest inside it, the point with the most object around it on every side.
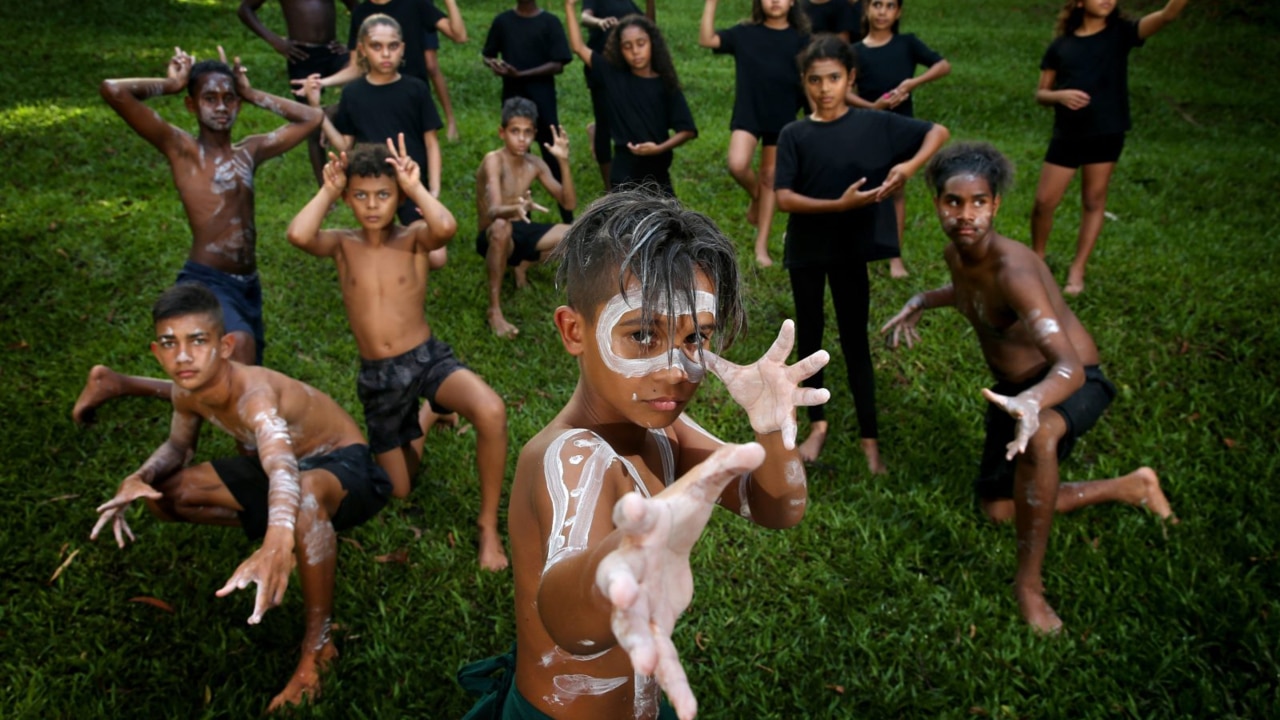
(890, 600)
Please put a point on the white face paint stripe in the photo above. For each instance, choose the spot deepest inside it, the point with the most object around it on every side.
(668, 460)
(620, 305)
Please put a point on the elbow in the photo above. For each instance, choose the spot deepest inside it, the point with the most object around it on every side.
(944, 67)
(109, 90)
(941, 132)
(785, 200)
(446, 227)
(296, 239)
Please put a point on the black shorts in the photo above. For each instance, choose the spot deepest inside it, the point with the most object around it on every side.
(321, 60)
(524, 238)
(1080, 411)
(240, 297)
(767, 138)
(1074, 152)
(367, 486)
(389, 390)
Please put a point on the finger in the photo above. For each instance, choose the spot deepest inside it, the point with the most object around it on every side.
(233, 584)
(913, 336)
(807, 367)
(97, 527)
(222, 54)
(127, 531)
(259, 603)
(725, 464)
(115, 528)
(671, 676)
(806, 397)
(780, 350)
(999, 400)
(403, 152)
(113, 503)
(718, 365)
(631, 514)
(789, 430)
(539, 208)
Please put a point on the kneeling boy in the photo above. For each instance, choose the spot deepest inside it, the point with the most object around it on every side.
(504, 198)
(309, 472)
(610, 497)
(382, 268)
(1049, 388)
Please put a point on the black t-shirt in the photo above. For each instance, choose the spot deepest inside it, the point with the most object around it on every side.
(640, 109)
(607, 9)
(883, 68)
(524, 43)
(1098, 64)
(821, 160)
(373, 113)
(833, 16)
(416, 17)
(767, 90)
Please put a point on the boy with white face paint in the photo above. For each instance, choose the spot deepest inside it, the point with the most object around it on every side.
(1050, 389)
(306, 473)
(601, 528)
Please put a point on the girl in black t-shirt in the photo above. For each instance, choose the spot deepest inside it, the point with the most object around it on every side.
(887, 64)
(1084, 77)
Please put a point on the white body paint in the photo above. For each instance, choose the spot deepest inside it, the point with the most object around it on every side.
(1046, 327)
(620, 305)
(587, 685)
(283, 495)
(319, 543)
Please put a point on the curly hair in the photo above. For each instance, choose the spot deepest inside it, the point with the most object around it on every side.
(978, 159)
(660, 54)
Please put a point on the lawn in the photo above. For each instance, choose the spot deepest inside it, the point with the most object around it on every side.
(892, 599)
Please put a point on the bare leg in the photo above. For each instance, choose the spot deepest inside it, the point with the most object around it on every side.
(430, 420)
(442, 91)
(401, 465)
(1140, 488)
(1054, 180)
(591, 142)
(871, 448)
(896, 269)
(477, 402)
(766, 201)
(105, 384)
(501, 246)
(1035, 500)
(742, 148)
(812, 445)
(1094, 181)
(196, 495)
(521, 273)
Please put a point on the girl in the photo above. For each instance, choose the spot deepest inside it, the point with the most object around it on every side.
(834, 168)
(643, 97)
(383, 104)
(766, 96)
(886, 68)
(833, 16)
(600, 16)
(1084, 76)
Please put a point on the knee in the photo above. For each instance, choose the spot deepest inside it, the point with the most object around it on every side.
(490, 416)
(739, 166)
(998, 510)
(766, 178)
(1043, 207)
(500, 232)
(1043, 446)
(314, 494)
(1094, 201)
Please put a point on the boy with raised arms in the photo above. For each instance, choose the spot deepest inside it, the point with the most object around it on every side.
(1049, 387)
(383, 268)
(610, 497)
(214, 178)
(504, 199)
(306, 473)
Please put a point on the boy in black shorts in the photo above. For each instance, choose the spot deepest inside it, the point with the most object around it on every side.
(506, 236)
(308, 472)
(383, 268)
(1049, 388)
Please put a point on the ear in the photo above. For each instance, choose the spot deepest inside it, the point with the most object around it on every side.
(995, 205)
(226, 345)
(574, 330)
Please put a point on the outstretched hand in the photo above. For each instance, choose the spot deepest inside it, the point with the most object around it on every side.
(897, 177)
(1025, 411)
(647, 578)
(180, 67)
(769, 389)
(904, 323)
(408, 174)
(335, 173)
(559, 147)
(238, 71)
(112, 511)
(525, 204)
(269, 566)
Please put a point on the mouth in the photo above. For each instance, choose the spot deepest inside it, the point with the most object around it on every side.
(663, 404)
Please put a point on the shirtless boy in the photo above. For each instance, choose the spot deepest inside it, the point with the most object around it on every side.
(310, 46)
(307, 474)
(504, 199)
(382, 268)
(1049, 389)
(601, 528)
(214, 177)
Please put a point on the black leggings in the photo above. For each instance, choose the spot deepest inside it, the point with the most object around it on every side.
(851, 295)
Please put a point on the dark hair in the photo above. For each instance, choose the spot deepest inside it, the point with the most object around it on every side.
(826, 46)
(979, 159)
(207, 67)
(651, 237)
(866, 24)
(369, 160)
(187, 298)
(797, 18)
(369, 24)
(515, 107)
(659, 54)
(1071, 17)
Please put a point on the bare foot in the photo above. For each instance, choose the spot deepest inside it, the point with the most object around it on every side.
(753, 213)
(897, 270)
(871, 448)
(763, 260)
(304, 686)
(1153, 497)
(811, 448)
(492, 556)
(1075, 283)
(1037, 612)
(102, 385)
(451, 133)
(522, 276)
(429, 419)
(500, 326)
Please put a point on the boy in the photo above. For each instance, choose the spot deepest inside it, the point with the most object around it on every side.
(1049, 389)
(533, 50)
(601, 529)
(503, 201)
(214, 178)
(308, 472)
(310, 46)
(382, 268)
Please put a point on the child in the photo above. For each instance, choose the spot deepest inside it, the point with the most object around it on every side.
(833, 17)
(430, 55)
(1084, 76)
(307, 472)
(1049, 388)
(601, 529)
(766, 97)
(382, 268)
(214, 178)
(526, 47)
(599, 17)
(643, 95)
(310, 46)
(503, 201)
(886, 76)
(385, 104)
(834, 168)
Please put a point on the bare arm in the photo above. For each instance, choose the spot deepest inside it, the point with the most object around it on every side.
(310, 88)
(1153, 23)
(938, 70)
(1046, 95)
(707, 36)
(304, 230)
(452, 26)
(574, 33)
(902, 172)
(903, 325)
(303, 119)
(432, 140)
(248, 14)
(126, 96)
